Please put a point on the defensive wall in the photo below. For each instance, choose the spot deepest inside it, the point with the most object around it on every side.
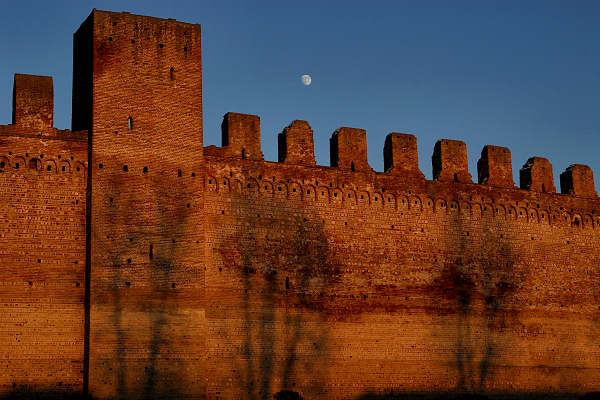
(137, 263)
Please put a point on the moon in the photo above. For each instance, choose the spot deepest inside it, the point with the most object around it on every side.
(306, 80)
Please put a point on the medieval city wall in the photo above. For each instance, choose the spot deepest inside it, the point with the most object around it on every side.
(42, 248)
(337, 283)
(137, 263)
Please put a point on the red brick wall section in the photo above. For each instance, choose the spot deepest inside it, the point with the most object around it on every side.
(494, 168)
(146, 232)
(211, 273)
(241, 136)
(348, 149)
(400, 155)
(296, 145)
(449, 161)
(42, 248)
(33, 102)
(578, 180)
(336, 284)
(537, 175)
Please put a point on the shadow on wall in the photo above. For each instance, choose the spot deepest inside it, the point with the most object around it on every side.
(155, 375)
(479, 285)
(280, 256)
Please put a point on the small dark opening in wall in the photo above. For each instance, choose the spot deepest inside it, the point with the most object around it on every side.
(125, 168)
(33, 163)
(110, 38)
(543, 188)
(130, 123)
(455, 177)
(352, 166)
(179, 173)
(173, 285)
(161, 45)
(185, 49)
(145, 170)
(77, 284)
(243, 154)
(132, 41)
(39, 261)
(151, 252)
(129, 261)
(100, 166)
(30, 283)
(287, 283)
(64, 168)
(3, 164)
(172, 73)
(188, 205)
(16, 165)
(127, 283)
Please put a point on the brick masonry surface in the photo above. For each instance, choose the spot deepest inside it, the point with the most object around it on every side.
(138, 264)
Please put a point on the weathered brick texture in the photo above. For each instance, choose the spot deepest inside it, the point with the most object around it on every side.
(138, 264)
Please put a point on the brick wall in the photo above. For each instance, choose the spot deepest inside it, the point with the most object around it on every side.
(146, 320)
(136, 264)
(337, 284)
(42, 253)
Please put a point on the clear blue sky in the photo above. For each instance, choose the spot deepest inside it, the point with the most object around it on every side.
(520, 74)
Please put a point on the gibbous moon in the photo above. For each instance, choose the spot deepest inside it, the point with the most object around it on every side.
(306, 80)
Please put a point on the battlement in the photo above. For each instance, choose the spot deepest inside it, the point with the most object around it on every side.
(494, 168)
(537, 175)
(449, 161)
(400, 155)
(33, 102)
(348, 152)
(578, 180)
(296, 144)
(33, 111)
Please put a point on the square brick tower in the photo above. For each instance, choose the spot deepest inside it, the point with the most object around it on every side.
(137, 88)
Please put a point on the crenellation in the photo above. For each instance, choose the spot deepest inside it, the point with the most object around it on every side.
(348, 150)
(537, 175)
(450, 162)
(296, 144)
(241, 136)
(400, 155)
(33, 102)
(578, 180)
(494, 168)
